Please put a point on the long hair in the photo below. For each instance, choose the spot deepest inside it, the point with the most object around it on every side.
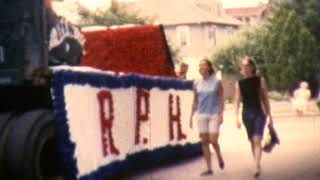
(209, 64)
(251, 63)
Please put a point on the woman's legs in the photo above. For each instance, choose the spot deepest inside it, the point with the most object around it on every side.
(252, 150)
(214, 141)
(209, 133)
(205, 149)
(254, 122)
(257, 153)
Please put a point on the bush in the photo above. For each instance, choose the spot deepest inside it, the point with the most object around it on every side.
(277, 96)
(284, 50)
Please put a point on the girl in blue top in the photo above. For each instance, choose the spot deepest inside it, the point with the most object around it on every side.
(208, 109)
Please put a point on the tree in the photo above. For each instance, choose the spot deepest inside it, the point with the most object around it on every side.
(284, 49)
(289, 51)
(175, 54)
(115, 15)
(241, 44)
(309, 12)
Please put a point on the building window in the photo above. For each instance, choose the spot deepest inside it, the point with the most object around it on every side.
(183, 35)
(247, 19)
(210, 35)
(230, 30)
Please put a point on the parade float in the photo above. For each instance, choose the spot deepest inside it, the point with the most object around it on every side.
(123, 109)
(86, 105)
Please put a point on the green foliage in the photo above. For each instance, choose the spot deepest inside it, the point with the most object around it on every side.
(274, 95)
(115, 15)
(241, 44)
(175, 54)
(309, 12)
(283, 48)
(289, 50)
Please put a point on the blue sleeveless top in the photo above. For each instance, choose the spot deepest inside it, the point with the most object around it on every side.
(207, 91)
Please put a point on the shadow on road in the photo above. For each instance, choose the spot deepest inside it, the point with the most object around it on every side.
(155, 167)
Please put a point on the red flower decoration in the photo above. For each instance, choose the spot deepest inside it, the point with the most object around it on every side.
(141, 49)
(175, 119)
(106, 123)
(140, 117)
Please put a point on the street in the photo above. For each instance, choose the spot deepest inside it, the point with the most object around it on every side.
(297, 157)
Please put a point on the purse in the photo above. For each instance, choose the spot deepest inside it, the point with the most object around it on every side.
(272, 141)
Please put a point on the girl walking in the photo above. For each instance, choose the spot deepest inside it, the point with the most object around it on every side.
(252, 90)
(207, 110)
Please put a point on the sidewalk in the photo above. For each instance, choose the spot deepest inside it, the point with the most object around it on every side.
(297, 157)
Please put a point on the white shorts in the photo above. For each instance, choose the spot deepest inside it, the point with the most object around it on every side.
(207, 123)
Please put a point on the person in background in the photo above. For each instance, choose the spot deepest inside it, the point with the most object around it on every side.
(183, 69)
(252, 90)
(207, 110)
(301, 97)
(48, 4)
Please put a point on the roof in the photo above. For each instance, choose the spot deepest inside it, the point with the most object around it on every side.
(172, 12)
(246, 11)
(139, 49)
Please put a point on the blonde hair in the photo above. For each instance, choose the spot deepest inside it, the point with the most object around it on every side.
(250, 61)
(304, 85)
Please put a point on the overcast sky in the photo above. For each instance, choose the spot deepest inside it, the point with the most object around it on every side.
(237, 3)
(226, 3)
(234, 3)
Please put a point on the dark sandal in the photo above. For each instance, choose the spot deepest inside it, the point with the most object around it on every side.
(221, 165)
(257, 174)
(207, 173)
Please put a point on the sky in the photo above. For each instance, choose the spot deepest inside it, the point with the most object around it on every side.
(239, 3)
(234, 3)
(226, 3)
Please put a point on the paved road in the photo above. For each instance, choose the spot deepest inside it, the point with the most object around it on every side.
(297, 157)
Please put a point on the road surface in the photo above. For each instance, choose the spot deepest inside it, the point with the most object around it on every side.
(296, 158)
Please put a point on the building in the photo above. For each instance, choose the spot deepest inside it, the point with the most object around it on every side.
(250, 15)
(214, 7)
(191, 29)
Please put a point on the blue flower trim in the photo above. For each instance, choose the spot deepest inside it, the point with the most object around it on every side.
(62, 78)
(120, 81)
(144, 160)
